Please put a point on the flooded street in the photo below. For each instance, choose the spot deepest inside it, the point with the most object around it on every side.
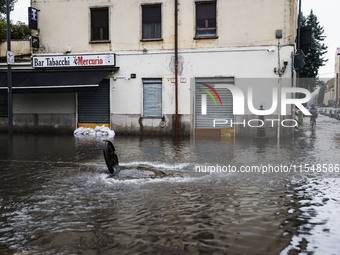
(57, 196)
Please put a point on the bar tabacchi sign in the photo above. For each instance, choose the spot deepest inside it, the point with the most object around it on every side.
(92, 60)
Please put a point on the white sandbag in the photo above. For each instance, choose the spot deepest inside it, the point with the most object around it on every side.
(97, 131)
(111, 133)
(78, 131)
(97, 128)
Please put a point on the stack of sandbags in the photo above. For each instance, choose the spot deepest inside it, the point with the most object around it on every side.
(97, 131)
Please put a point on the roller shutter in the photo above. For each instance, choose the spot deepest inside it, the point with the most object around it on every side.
(152, 97)
(209, 90)
(3, 103)
(94, 104)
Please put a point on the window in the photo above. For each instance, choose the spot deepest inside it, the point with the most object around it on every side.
(152, 98)
(205, 19)
(151, 20)
(100, 24)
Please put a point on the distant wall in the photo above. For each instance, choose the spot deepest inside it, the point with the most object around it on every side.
(19, 47)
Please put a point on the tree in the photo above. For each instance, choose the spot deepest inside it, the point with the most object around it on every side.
(313, 55)
(3, 7)
(18, 31)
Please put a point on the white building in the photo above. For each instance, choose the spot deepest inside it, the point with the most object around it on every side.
(222, 42)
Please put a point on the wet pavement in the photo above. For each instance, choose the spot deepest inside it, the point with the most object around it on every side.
(57, 196)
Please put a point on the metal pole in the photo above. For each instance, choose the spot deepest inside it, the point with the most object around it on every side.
(9, 75)
(176, 66)
(279, 94)
(299, 27)
(298, 46)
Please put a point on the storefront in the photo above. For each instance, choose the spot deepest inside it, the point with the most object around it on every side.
(59, 93)
(213, 101)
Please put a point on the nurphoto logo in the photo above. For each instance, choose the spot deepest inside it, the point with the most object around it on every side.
(239, 104)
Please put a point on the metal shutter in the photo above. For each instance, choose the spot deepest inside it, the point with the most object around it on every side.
(3, 103)
(152, 97)
(214, 111)
(94, 105)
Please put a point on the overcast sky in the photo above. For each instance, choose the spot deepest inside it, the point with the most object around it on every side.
(327, 12)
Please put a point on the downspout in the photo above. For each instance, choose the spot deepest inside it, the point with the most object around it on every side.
(298, 45)
(176, 68)
(299, 29)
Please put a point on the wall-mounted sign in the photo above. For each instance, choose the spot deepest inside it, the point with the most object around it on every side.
(35, 42)
(10, 58)
(173, 80)
(32, 18)
(74, 61)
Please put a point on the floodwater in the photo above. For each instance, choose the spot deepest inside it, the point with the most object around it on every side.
(57, 196)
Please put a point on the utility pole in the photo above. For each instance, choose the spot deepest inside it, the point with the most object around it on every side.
(9, 74)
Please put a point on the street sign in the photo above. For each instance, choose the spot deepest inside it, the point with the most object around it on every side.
(10, 58)
(76, 60)
(35, 42)
(32, 18)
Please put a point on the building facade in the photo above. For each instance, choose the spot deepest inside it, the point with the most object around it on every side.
(337, 78)
(329, 96)
(220, 43)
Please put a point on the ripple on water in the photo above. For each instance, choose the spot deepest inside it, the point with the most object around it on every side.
(57, 198)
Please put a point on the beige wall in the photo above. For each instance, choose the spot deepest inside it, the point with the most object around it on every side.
(19, 47)
(65, 23)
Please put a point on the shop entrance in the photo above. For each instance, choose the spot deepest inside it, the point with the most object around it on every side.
(213, 101)
(94, 106)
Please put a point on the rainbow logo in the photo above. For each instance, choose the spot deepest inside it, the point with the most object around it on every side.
(209, 93)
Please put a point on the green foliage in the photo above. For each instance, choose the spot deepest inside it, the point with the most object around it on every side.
(18, 31)
(314, 55)
(3, 7)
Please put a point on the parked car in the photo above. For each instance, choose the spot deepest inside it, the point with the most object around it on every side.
(337, 114)
(326, 112)
(332, 113)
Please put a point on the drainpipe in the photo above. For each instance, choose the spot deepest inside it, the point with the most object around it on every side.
(299, 29)
(298, 46)
(176, 66)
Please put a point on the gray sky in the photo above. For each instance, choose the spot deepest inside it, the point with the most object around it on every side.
(325, 10)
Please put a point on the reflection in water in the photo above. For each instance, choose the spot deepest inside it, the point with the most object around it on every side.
(58, 198)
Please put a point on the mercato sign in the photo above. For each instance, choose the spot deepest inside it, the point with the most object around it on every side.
(73, 60)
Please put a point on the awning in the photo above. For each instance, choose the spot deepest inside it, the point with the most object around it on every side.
(32, 79)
